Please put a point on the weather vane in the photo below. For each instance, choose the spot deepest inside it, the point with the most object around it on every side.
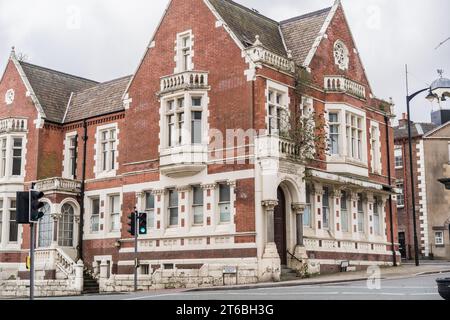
(440, 72)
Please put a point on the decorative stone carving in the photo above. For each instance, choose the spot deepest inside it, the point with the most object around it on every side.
(270, 208)
(158, 192)
(208, 186)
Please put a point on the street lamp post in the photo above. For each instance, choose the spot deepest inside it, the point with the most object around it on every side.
(437, 91)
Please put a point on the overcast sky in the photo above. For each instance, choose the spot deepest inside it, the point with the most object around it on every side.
(105, 39)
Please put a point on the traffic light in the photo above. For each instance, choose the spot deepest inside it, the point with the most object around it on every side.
(36, 205)
(28, 206)
(132, 224)
(143, 223)
(23, 207)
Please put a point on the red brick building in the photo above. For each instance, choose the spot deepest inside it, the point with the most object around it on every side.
(157, 141)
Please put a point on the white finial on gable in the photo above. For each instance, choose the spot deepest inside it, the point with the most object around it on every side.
(257, 41)
(13, 52)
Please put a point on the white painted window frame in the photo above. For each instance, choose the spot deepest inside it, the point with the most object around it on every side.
(277, 88)
(179, 52)
(98, 157)
(439, 241)
(67, 172)
(398, 152)
(188, 109)
(376, 162)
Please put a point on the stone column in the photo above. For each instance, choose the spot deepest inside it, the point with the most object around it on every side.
(354, 213)
(103, 275)
(299, 209)
(270, 265)
(79, 276)
(269, 206)
(370, 220)
(336, 211)
(318, 195)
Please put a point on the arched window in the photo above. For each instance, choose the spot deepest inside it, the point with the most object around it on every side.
(45, 228)
(65, 235)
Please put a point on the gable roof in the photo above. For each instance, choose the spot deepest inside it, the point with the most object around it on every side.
(246, 24)
(300, 33)
(436, 130)
(98, 100)
(417, 130)
(53, 89)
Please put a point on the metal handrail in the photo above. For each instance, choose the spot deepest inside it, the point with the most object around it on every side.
(293, 256)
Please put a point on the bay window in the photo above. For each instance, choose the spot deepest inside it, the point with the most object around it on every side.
(277, 112)
(17, 157)
(184, 120)
(3, 142)
(334, 126)
(354, 136)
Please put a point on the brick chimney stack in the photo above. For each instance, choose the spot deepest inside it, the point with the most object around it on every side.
(404, 121)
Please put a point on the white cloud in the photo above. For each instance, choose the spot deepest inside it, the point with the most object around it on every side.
(104, 39)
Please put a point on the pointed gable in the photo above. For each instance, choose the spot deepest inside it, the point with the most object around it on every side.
(246, 24)
(301, 32)
(53, 89)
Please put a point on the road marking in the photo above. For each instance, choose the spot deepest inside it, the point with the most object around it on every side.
(154, 296)
(425, 294)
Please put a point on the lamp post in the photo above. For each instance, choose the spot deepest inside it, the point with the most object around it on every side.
(439, 90)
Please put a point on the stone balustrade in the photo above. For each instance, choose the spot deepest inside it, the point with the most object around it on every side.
(184, 81)
(344, 246)
(342, 84)
(13, 125)
(261, 55)
(58, 184)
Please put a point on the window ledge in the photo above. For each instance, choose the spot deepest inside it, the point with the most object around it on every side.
(106, 174)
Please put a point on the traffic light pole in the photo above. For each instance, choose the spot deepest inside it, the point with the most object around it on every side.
(136, 232)
(32, 245)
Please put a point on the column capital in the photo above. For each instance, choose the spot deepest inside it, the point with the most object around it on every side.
(370, 198)
(140, 194)
(337, 192)
(207, 186)
(298, 208)
(317, 189)
(183, 188)
(270, 204)
(158, 192)
(232, 183)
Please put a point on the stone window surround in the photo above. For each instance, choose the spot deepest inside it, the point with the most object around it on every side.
(66, 161)
(9, 157)
(439, 240)
(213, 213)
(178, 58)
(376, 163)
(188, 109)
(284, 91)
(103, 196)
(342, 110)
(398, 153)
(99, 173)
(317, 190)
(5, 245)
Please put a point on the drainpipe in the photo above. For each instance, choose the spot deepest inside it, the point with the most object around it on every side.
(388, 145)
(82, 192)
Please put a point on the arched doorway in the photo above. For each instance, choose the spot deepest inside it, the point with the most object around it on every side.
(280, 226)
